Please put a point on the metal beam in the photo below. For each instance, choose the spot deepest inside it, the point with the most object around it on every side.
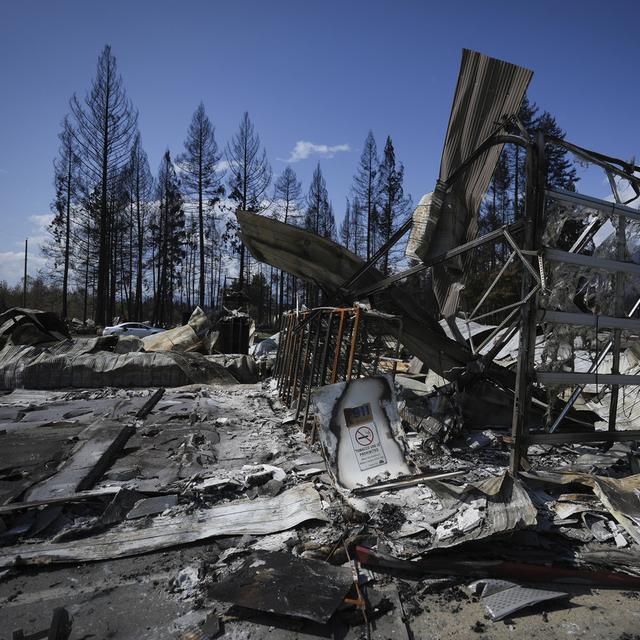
(627, 170)
(591, 436)
(535, 180)
(594, 367)
(443, 257)
(570, 377)
(591, 320)
(614, 266)
(387, 246)
(612, 208)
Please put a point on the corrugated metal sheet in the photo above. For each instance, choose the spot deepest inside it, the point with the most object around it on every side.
(488, 90)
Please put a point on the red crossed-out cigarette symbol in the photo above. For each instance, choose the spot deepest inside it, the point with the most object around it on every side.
(364, 436)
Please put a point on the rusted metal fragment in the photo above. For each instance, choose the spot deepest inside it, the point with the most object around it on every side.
(447, 564)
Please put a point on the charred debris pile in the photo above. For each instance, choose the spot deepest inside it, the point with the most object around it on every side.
(376, 460)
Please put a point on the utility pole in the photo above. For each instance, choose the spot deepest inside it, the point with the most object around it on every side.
(24, 283)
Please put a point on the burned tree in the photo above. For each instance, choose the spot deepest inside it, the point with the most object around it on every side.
(105, 127)
(346, 236)
(249, 178)
(365, 190)
(201, 178)
(319, 215)
(287, 194)
(168, 234)
(140, 188)
(394, 205)
(67, 184)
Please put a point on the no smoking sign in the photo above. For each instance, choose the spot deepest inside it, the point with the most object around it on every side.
(366, 446)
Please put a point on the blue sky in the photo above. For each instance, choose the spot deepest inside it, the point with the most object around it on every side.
(323, 73)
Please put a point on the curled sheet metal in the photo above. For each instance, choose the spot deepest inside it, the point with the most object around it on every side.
(31, 326)
(620, 496)
(488, 93)
(327, 264)
(239, 517)
(489, 507)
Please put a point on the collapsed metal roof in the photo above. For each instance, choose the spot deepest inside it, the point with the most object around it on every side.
(488, 95)
(328, 265)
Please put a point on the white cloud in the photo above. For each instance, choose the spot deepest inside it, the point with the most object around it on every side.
(222, 165)
(3, 172)
(12, 264)
(41, 222)
(304, 149)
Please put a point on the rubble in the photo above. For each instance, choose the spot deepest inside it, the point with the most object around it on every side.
(206, 464)
(34, 357)
(30, 326)
(261, 516)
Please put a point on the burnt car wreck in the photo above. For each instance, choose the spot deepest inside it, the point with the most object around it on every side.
(385, 465)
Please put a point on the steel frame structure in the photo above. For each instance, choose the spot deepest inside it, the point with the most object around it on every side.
(531, 314)
(526, 314)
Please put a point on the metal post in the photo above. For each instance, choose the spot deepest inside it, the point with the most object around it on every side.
(312, 370)
(305, 365)
(24, 283)
(336, 356)
(594, 367)
(354, 340)
(293, 345)
(619, 311)
(362, 337)
(296, 370)
(536, 178)
(325, 350)
(276, 369)
(286, 354)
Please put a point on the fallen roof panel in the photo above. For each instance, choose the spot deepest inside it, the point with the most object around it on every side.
(488, 92)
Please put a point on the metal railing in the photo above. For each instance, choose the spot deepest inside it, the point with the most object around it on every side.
(328, 345)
